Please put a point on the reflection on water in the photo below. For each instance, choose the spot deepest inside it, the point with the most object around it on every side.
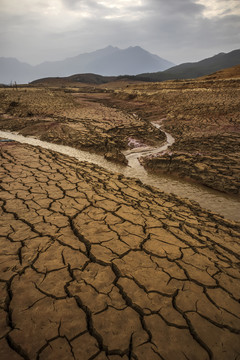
(226, 205)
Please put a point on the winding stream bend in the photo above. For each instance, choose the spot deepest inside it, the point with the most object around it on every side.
(223, 204)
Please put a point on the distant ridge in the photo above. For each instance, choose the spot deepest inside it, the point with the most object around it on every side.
(79, 78)
(110, 61)
(12, 70)
(196, 69)
(94, 79)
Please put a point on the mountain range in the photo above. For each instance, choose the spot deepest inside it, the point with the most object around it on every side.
(110, 61)
(196, 69)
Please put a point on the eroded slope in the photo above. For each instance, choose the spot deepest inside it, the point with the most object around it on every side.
(203, 117)
(73, 118)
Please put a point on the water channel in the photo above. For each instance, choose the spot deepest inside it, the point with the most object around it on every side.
(223, 204)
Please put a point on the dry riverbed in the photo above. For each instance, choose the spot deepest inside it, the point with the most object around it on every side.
(75, 119)
(94, 265)
(203, 117)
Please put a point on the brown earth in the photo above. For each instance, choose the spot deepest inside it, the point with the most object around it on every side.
(203, 117)
(97, 266)
(73, 117)
(229, 73)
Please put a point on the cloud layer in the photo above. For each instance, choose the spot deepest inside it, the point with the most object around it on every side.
(179, 30)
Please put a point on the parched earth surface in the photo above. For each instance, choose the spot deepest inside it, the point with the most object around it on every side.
(73, 117)
(97, 266)
(202, 115)
(204, 118)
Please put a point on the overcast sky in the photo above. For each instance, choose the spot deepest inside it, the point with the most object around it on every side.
(177, 30)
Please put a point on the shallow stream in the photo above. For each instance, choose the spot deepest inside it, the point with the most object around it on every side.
(223, 204)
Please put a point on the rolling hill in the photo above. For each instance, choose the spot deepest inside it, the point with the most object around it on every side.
(229, 73)
(93, 79)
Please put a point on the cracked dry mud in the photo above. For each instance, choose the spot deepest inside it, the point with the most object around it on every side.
(203, 117)
(97, 266)
(75, 119)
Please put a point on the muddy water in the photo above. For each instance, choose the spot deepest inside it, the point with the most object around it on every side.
(223, 204)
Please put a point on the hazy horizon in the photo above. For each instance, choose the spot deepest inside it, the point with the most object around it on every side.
(35, 31)
(88, 52)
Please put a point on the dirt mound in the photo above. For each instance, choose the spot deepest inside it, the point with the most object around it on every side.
(232, 72)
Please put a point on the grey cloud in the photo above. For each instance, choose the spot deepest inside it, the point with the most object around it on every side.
(71, 3)
(183, 7)
(173, 29)
(78, 4)
(221, 31)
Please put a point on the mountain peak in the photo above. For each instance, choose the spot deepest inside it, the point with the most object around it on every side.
(110, 47)
(136, 48)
